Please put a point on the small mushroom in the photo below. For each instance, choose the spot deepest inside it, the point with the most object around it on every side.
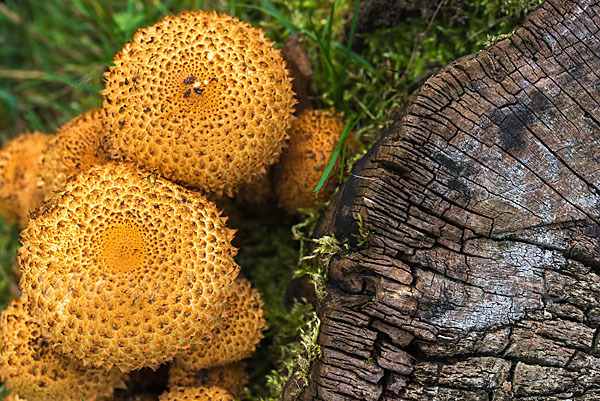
(232, 377)
(235, 340)
(76, 147)
(203, 393)
(203, 98)
(34, 370)
(124, 268)
(19, 167)
(313, 137)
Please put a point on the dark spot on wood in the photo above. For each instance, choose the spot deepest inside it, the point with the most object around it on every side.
(431, 308)
(458, 185)
(512, 122)
(453, 167)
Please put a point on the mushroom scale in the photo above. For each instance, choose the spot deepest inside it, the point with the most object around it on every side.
(202, 97)
(124, 268)
(36, 372)
(203, 393)
(313, 137)
(76, 147)
(19, 168)
(236, 339)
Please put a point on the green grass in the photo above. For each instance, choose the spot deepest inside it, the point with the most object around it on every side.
(53, 54)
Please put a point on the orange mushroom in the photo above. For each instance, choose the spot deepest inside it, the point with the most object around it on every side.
(76, 147)
(203, 393)
(201, 97)
(124, 268)
(235, 340)
(232, 377)
(19, 168)
(313, 137)
(34, 370)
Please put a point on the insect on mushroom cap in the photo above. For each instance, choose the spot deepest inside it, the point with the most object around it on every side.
(202, 97)
(19, 168)
(32, 368)
(123, 268)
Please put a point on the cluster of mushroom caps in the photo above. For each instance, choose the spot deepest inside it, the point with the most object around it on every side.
(125, 262)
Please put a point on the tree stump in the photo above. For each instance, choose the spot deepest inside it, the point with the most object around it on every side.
(480, 278)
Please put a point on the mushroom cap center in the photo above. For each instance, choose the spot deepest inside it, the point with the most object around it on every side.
(198, 92)
(123, 247)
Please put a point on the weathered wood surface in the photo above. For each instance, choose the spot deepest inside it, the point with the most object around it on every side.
(481, 276)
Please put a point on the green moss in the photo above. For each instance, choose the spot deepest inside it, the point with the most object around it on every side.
(295, 347)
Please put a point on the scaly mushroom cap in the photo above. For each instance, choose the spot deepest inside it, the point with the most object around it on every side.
(313, 137)
(232, 377)
(235, 340)
(76, 147)
(125, 268)
(32, 368)
(19, 167)
(204, 393)
(202, 97)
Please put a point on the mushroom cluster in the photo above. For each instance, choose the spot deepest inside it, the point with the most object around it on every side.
(125, 263)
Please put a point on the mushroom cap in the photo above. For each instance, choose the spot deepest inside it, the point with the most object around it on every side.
(19, 167)
(201, 97)
(31, 367)
(234, 340)
(126, 268)
(232, 377)
(313, 137)
(203, 393)
(76, 147)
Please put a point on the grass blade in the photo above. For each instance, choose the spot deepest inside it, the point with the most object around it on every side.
(334, 155)
(342, 76)
(57, 78)
(343, 142)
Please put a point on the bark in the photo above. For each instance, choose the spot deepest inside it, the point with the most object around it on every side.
(480, 279)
